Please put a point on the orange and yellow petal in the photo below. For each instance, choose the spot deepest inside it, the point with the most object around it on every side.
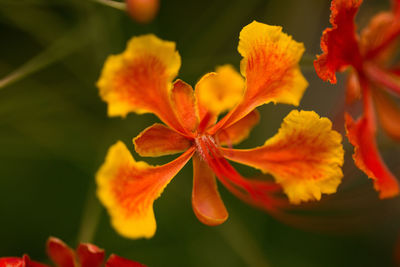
(139, 79)
(128, 188)
(305, 156)
(221, 90)
(271, 66)
(184, 105)
(366, 156)
(159, 140)
(339, 44)
(238, 131)
(206, 201)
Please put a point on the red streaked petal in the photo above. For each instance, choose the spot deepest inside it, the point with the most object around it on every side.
(139, 79)
(128, 188)
(389, 114)
(206, 201)
(12, 262)
(383, 78)
(158, 140)
(60, 253)
(117, 261)
(254, 192)
(339, 43)
(183, 101)
(90, 255)
(366, 156)
(270, 65)
(305, 156)
(238, 131)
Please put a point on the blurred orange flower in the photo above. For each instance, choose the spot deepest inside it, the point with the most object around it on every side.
(142, 11)
(372, 77)
(86, 255)
(304, 157)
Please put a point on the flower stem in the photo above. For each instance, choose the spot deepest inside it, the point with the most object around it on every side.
(242, 242)
(90, 217)
(111, 3)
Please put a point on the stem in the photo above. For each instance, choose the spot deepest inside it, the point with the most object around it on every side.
(59, 49)
(242, 242)
(111, 3)
(90, 217)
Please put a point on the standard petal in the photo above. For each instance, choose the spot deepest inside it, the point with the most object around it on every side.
(60, 253)
(270, 65)
(117, 261)
(339, 43)
(206, 201)
(184, 104)
(221, 90)
(389, 113)
(305, 156)
(238, 131)
(366, 156)
(159, 140)
(90, 255)
(139, 79)
(128, 188)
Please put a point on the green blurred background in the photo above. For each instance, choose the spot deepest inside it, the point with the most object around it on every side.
(54, 134)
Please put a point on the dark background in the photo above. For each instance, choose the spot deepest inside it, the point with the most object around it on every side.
(54, 134)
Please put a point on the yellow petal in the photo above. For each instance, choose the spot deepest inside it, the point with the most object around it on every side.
(305, 156)
(139, 79)
(270, 65)
(221, 90)
(128, 188)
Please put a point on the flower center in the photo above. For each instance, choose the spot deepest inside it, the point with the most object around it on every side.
(206, 147)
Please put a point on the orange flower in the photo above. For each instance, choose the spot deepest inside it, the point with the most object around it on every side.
(372, 77)
(86, 255)
(142, 11)
(304, 156)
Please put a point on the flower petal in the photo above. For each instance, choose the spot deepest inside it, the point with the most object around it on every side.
(29, 263)
(366, 156)
(353, 87)
(117, 261)
(139, 79)
(90, 255)
(270, 65)
(128, 188)
(238, 131)
(159, 140)
(339, 43)
(221, 90)
(60, 253)
(12, 262)
(206, 201)
(377, 39)
(389, 114)
(182, 97)
(305, 156)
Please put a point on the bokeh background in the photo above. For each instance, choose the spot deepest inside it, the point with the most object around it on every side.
(54, 134)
